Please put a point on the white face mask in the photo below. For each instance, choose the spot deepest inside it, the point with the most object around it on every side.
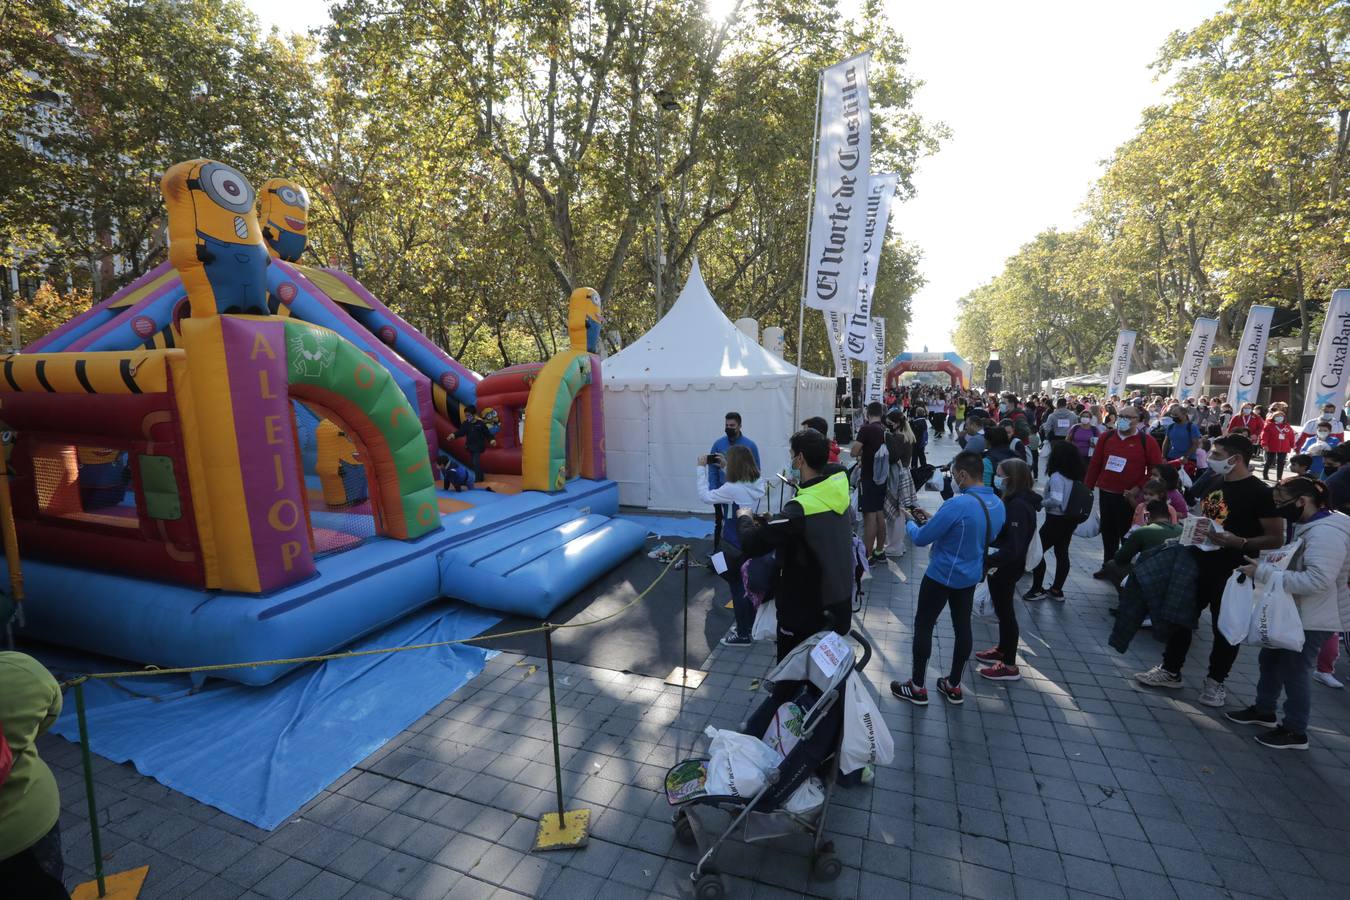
(1323, 435)
(1277, 419)
(1246, 411)
(1086, 420)
(1221, 466)
(1326, 416)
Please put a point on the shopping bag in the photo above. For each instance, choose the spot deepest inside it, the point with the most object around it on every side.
(766, 622)
(897, 539)
(1235, 610)
(1090, 527)
(867, 740)
(1275, 621)
(984, 604)
(809, 795)
(737, 763)
(1035, 552)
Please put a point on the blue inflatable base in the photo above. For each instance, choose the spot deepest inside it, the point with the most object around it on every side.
(522, 553)
(260, 754)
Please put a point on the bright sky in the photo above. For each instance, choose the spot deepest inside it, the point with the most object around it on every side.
(1036, 96)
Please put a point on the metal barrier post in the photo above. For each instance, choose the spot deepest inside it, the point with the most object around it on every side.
(561, 830)
(89, 788)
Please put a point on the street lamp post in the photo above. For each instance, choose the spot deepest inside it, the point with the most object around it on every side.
(666, 102)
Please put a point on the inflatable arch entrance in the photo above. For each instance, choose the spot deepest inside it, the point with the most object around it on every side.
(950, 364)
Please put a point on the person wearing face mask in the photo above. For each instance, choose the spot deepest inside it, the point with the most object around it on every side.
(1243, 506)
(1248, 419)
(961, 533)
(1327, 421)
(1084, 433)
(1316, 578)
(813, 543)
(1007, 563)
(1122, 461)
(717, 469)
(1181, 438)
(1277, 440)
(1319, 446)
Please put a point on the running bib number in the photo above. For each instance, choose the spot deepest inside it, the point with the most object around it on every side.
(1115, 463)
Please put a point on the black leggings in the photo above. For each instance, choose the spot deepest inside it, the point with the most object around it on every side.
(1056, 534)
(1278, 459)
(1001, 586)
(37, 873)
(933, 596)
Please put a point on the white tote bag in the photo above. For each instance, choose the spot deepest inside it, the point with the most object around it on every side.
(1235, 610)
(866, 737)
(1275, 621)
(1035, 552)
(766, 622)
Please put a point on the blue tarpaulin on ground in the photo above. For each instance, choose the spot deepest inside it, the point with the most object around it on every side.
(261, 753)
(673, 526)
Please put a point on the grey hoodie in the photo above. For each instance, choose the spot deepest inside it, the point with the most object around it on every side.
(1318, 574)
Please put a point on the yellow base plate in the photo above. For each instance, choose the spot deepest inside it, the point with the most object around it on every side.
(573, 831)
(121, 886)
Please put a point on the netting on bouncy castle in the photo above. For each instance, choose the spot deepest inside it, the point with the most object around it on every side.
(340, 510)
(85, 483)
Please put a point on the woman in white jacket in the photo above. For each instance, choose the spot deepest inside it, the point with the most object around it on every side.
(742, 489)
(1316, 578)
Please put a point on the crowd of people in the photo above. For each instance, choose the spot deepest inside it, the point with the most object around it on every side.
(1132, 472)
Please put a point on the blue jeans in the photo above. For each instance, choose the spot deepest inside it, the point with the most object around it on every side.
(1292, 671)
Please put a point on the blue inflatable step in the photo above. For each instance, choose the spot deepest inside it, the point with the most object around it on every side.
(539, 563)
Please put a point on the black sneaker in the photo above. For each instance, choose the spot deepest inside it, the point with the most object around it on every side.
(1035, 594)
(908, 690)
(732, 639)
(1283, 739)
(952, 692)
(1251, 716)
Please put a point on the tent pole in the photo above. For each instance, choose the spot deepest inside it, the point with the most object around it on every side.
(806, 248)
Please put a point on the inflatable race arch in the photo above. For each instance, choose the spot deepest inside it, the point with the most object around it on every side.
(950, 364)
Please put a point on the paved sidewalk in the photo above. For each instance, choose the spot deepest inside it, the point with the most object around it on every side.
(1073, 782)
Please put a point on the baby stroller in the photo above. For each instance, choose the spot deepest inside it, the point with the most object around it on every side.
(803, 716)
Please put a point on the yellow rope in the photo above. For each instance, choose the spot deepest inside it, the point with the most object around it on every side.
(218, 667)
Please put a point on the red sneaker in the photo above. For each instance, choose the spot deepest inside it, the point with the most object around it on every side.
(1001, 672)
(992, 655)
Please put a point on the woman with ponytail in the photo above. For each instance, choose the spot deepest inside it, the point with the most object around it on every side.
(1316, 578)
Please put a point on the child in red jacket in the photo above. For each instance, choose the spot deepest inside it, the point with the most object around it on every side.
(1277, 439)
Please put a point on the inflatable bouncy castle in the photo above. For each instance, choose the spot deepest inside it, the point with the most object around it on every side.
(234, 457)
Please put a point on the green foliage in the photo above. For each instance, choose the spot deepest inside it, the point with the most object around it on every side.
(1233, 192)
(470, 160)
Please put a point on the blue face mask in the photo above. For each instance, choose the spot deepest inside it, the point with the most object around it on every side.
(795, 473)
(998, 482)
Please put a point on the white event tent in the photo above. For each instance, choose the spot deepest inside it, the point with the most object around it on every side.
(666, 395)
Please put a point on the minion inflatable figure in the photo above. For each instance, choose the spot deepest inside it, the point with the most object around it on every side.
(583, 320)
(285, 218)
(341, 474)
(214, 239)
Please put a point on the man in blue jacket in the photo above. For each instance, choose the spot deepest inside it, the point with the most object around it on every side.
(717, 472)
(961, 533)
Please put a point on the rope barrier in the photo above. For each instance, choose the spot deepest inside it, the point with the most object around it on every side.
(681, 553)
(568, 830)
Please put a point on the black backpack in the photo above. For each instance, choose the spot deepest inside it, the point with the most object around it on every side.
(1078, 506)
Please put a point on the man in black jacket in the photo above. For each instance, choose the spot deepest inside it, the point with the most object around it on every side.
(477, 436)
(814, 547)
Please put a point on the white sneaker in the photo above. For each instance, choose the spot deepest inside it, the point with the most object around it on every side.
(1213, 693)
(1158, 677)
(1328, 679)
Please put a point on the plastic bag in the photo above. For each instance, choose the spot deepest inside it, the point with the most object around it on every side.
(983, 606)
(809, 795)
(897, 539)
(1275, 621)
(1090, 527)
(737, 763)
(1235, 610)
(1035, 552)
(766, 622)
(866, 737)
(936, 480)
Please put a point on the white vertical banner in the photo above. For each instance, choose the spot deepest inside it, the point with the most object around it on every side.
(1251, 356)
(876, 366)
(1120, 364)
(881, 189)
(843, 156)
(835, 326)
(1195, 363)
(1327, 381)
